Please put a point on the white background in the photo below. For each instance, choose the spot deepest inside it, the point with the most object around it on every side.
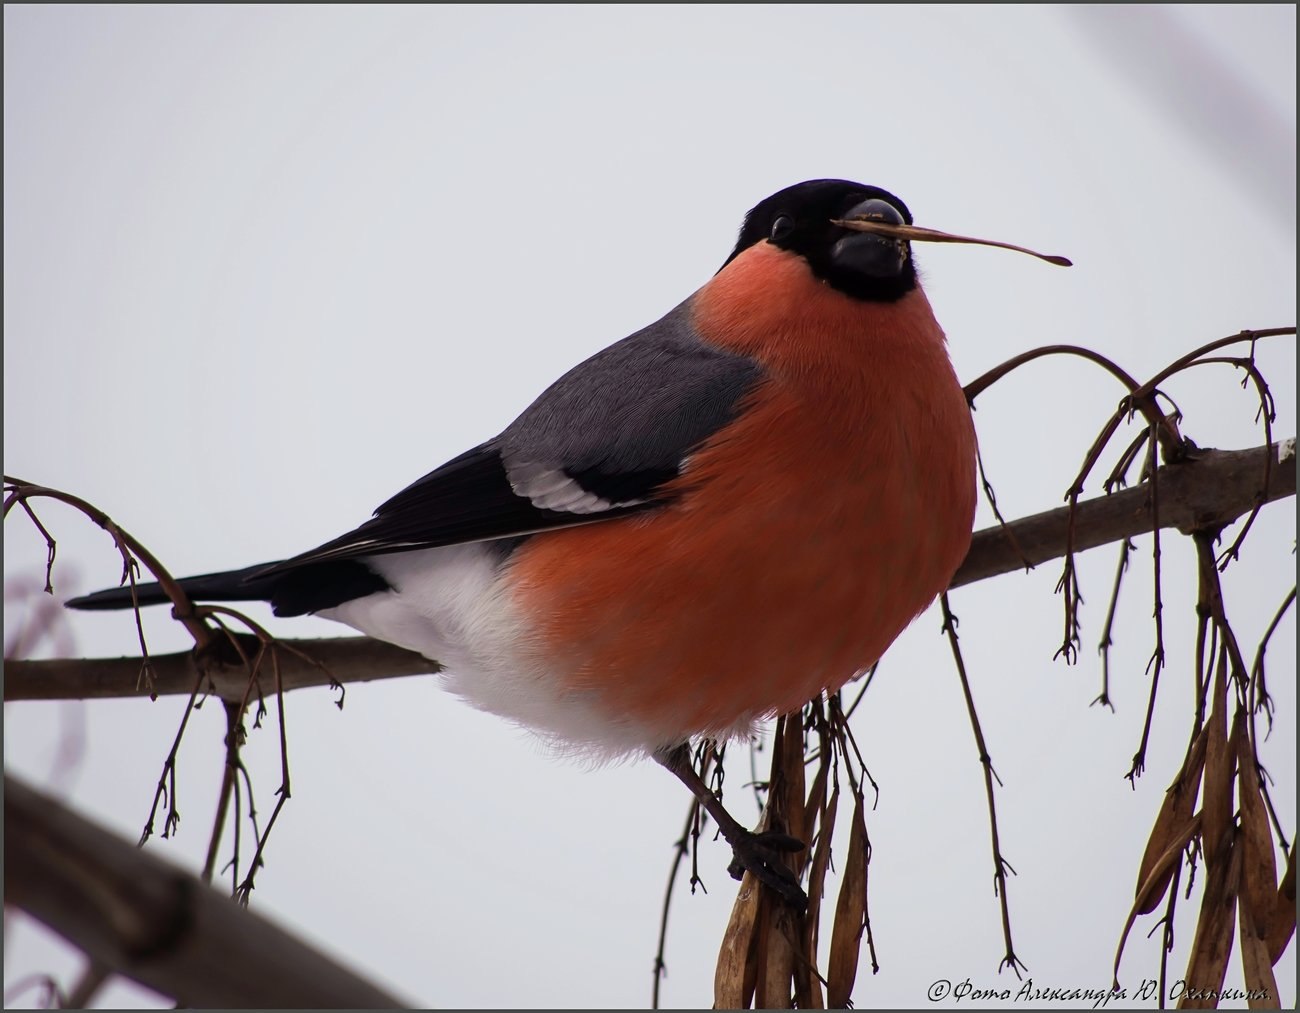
(265, 266)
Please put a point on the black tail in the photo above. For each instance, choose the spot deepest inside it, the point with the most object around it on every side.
(292, 592)
(233, 585)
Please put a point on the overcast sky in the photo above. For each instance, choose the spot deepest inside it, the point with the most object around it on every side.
(264, 266)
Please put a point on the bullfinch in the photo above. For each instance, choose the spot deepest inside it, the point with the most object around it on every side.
(705, 524)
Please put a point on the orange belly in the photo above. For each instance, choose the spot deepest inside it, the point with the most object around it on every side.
(806, 535)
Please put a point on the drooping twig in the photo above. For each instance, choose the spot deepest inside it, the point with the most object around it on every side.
(1118, 477)
(252, 820)
(283, 793)
(1260, 698)
(848, 745)
(1068, 586)
(229, 780)
(992, 498)
(1000, 864)
(983, 382)
(1164, 430)
(51, 547)
(680, 848)
(1268, 414)
(1204, 541)
(166, 787)
(20, 491)
(866, 683)
(1167, 935)
(1183, 361)
(756, 785)
(1157, 661)
(1107, 639)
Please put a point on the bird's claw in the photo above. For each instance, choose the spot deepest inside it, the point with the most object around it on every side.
(763, 854)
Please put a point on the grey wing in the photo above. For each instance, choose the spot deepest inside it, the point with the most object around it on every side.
(618, 426)
(600, 442)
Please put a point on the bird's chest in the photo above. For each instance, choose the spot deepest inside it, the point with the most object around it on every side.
(845, 489)
(804, 537)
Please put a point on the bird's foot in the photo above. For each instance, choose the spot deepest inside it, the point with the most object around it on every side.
(763, 854)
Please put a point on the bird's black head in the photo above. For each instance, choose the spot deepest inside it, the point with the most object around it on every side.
(859, 264)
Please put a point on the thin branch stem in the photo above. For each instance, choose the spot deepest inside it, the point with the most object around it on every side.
(1259, 695)
(1000, 864)
(183, 608)
(234, 723)
(681, 846)
(1107, 639)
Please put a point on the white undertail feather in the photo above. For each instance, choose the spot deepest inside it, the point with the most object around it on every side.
(452, 606)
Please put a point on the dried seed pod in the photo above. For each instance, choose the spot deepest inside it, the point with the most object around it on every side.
(850, 915)
(1259, 867)
(1282, 926)
(1170, 825)
(734, 977)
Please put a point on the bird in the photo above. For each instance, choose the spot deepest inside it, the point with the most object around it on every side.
(701, 526)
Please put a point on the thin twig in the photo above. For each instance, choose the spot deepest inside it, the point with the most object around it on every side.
(1273, 817)
(866, 683)
(234, 722)
(1118, 477)
(1000, 864)
(982, 383)
(1157, 662)
(1183, 361)
(1107, 639)
(989, 494)
(167, 779)
(51, 548)
(1268, 413)
(284, 792)
(1260, 698)
(755, 784)
(848, 741)
(680, 847)
(1167, 938)
(252, 820)
(183, 608)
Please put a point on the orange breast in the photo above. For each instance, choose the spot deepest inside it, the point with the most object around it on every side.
(807, 535)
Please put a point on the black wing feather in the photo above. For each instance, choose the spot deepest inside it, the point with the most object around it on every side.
(468, 499)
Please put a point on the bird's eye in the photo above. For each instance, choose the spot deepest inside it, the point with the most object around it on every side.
(781, 227)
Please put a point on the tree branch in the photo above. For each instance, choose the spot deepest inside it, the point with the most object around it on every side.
(337, 660)
(158, 925)
(1208, 490)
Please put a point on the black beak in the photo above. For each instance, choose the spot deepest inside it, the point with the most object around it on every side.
(868, 254)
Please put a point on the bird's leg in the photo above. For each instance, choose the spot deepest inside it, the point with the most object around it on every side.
(763, 853)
